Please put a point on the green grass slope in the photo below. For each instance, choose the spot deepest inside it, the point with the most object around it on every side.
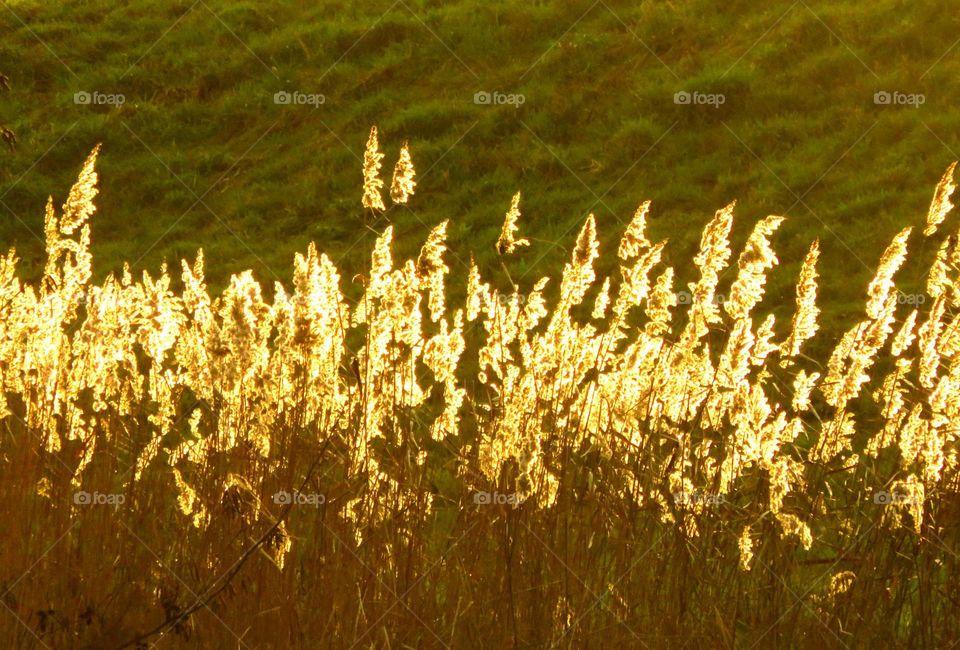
(200, 155)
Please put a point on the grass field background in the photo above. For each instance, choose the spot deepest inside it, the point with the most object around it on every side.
(200, 155)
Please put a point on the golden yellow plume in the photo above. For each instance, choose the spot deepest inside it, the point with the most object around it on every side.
(941, 205)
(882, 282)
(401, 189)
(371, 173)
(805, 318)
(79, 205)
(506, 243)
(712, 257)
(634, 239)
(757, 257)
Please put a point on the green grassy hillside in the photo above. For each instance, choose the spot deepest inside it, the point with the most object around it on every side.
(200, 155)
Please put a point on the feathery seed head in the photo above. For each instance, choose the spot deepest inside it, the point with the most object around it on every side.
(372, 159)
(402, 187)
